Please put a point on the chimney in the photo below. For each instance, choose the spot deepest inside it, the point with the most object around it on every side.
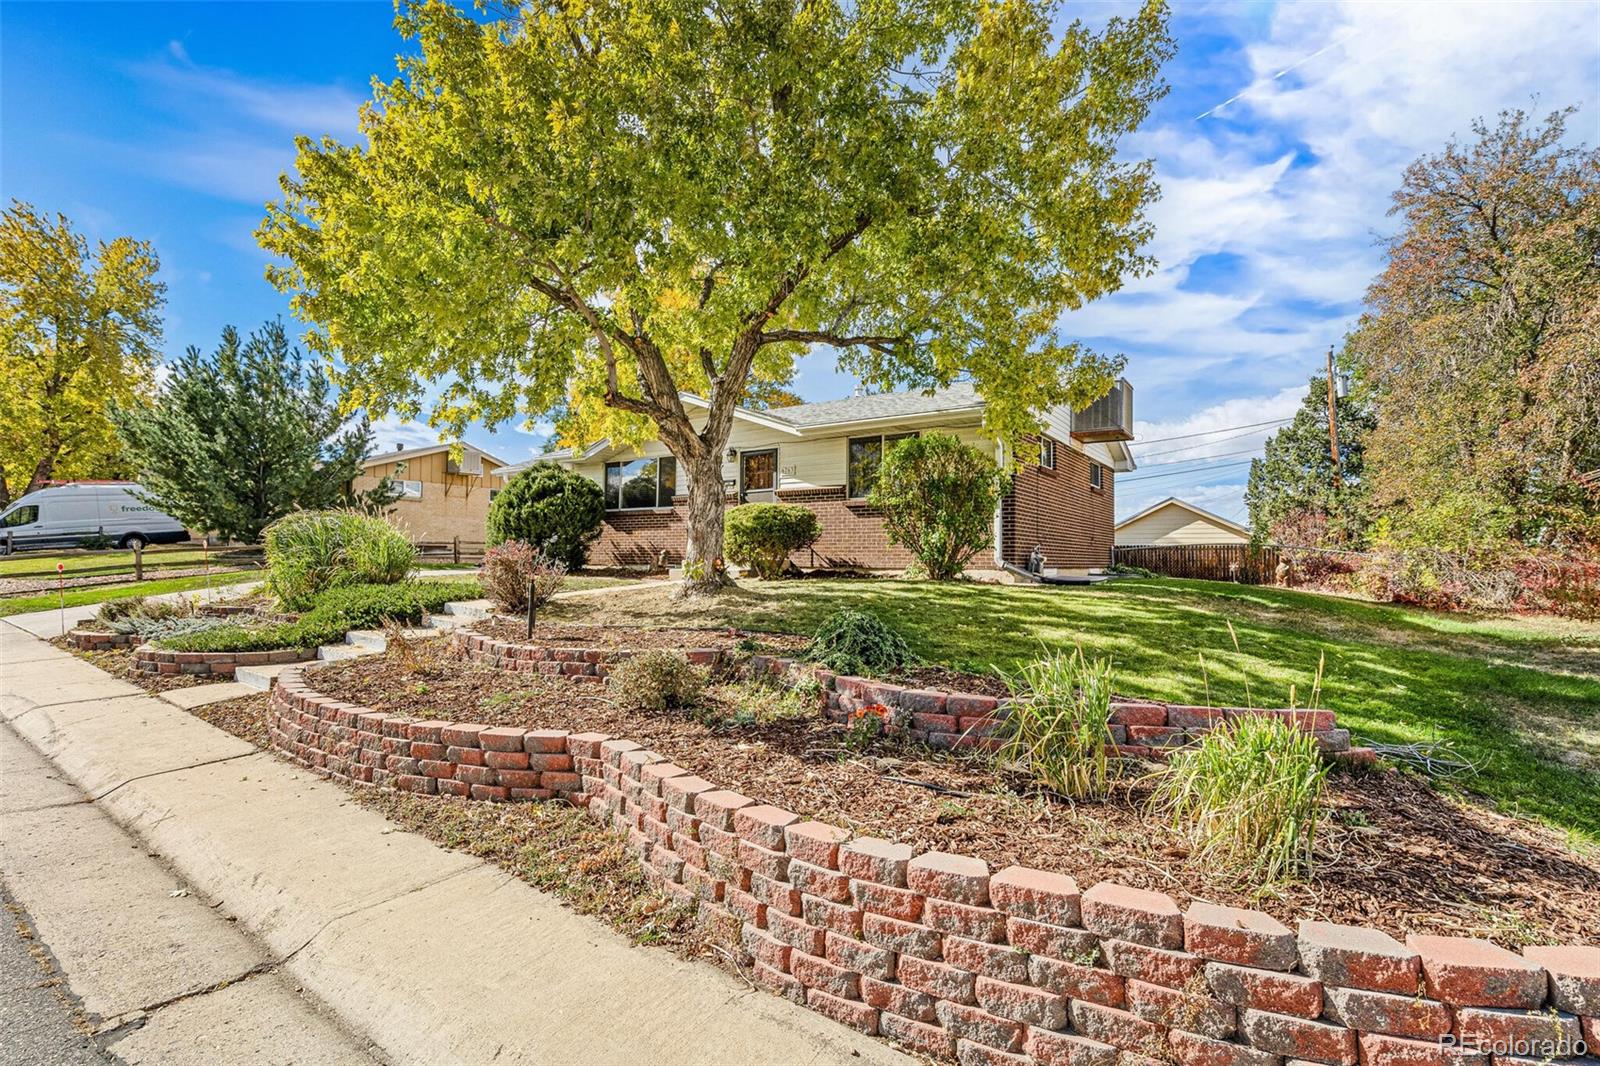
(399, 447)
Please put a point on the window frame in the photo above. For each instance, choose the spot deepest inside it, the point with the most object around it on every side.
(605, 483)
(1097, 476)
(1047, 450)
(883, 440)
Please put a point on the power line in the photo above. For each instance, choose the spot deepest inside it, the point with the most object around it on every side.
(1223, 429)
(1199, 472)
(1202, 444)
(1208, 458)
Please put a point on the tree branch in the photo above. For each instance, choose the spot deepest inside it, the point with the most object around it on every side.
(883, 344)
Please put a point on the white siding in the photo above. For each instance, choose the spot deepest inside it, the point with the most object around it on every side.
(803, 463)
(1175, 525)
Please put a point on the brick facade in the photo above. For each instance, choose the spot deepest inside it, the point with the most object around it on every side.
(1056, 508)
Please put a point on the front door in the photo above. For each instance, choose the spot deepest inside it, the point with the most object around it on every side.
(758, 476)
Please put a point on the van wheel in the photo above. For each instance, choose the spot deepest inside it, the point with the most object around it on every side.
(134, 542)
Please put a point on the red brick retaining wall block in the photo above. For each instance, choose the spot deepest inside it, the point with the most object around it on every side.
(1002, 968)
(91, 640)
(150, 659)
(573, 662)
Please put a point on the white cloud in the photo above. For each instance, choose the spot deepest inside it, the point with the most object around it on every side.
(1221, 429)
(389, 433)
(1292, 178)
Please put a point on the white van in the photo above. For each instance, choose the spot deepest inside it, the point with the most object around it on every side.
(68, 515)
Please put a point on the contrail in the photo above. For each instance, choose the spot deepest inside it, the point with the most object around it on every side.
(1292, 66)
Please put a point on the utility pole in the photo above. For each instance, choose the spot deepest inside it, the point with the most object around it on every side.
(1333, 424)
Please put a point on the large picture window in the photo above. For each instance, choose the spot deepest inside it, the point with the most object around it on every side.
(864, 457)
(641, 483)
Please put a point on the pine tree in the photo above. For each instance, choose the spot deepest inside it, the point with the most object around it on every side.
(240, 437)
(1290, 493)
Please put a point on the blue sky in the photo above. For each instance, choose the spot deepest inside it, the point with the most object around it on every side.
(1287, 127)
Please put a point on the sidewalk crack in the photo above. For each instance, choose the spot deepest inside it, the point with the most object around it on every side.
(324, 927)
(173, 770)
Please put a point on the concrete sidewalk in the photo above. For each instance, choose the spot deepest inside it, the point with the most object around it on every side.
(431, 955)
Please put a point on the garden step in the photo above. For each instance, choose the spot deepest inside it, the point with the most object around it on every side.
(260, 678)
(339, 652)
(470, 609)
(446, 622)
(367, 638)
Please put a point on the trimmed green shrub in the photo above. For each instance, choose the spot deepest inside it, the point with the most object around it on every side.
(1248, 797)
(657, 681)
(1058, 723)
(309, 552)
(938, 497)
(762, 535)
(337, 611)
(554, 509)
(857, 643)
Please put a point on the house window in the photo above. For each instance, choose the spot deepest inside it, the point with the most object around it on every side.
(409, 490)
(1097, 479)
(1047, 453)
(641, 483)
(865, 456)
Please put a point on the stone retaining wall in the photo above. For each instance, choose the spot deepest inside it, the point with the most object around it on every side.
(1011, 968)
(943, 720)
(149, 659)
(92, 640)
(572, 662)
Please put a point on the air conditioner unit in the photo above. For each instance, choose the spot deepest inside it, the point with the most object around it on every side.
(1108, 418)
(471, 463)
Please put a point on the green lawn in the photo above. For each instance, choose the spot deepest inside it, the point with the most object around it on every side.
(102, 593)
(1520, 697)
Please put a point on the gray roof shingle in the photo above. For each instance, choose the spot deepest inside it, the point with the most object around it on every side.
(957, 397)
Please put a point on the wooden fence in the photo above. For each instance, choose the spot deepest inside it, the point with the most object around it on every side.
(1212, 562)
(457, 552)
(138, 563)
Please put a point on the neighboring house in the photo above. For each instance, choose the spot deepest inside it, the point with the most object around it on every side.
(1173, 522)
(825, 455)
(441, 499)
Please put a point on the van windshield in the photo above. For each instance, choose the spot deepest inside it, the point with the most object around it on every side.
(22, 516)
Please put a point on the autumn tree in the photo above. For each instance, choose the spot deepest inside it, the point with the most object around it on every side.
(1291, 487)
(79, 331)
(1481, 343)
(239, 437)
(637, 214)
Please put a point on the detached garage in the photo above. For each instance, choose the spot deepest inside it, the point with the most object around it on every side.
(1172, 522)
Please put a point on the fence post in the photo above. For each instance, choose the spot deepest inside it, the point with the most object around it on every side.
(455, 550)
(138, 562)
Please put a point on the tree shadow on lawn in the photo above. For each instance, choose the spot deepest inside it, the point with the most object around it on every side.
(1510, 721)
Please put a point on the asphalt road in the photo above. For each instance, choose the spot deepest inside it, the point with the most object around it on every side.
(38, 1027)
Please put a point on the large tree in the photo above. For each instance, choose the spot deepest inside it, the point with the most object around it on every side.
(78, 332)
(240, 437)
(594, 209)
(1291, 489)
(1481, 343)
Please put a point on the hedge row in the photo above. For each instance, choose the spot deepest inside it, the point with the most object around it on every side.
(336, 612)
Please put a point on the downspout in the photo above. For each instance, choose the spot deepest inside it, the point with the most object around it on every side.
(999, 511)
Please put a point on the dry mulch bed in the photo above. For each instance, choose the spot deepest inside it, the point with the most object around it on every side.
(1397, 855)
(118, 662)
(572, 635)
(567, 635)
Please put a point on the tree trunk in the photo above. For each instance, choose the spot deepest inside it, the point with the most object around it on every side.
(704, 568)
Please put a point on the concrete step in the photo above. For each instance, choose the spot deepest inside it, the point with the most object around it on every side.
(332, 653)
(367, 638)
(260, 678)
(443, 623)
(471, 610)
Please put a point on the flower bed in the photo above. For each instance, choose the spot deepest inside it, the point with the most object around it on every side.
(939, 952)
(950, 720)
(149, 659)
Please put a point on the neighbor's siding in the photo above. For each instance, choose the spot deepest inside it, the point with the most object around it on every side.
(452, 505)
(1057, 510)
(1176, 525)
